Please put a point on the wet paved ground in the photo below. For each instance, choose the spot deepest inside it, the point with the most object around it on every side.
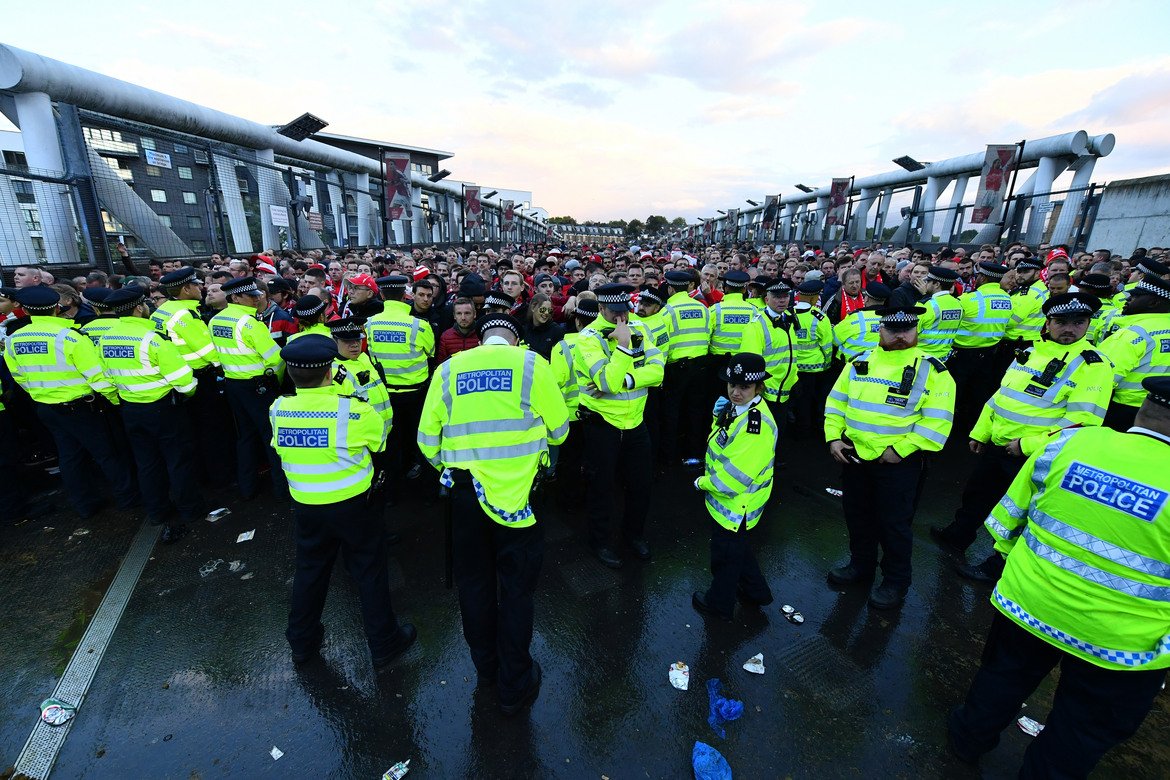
(197, 682)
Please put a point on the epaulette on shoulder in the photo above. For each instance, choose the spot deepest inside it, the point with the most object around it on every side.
(820, 315)
(862, 357)
(939, 366)
(755, 420)
(1091, 356)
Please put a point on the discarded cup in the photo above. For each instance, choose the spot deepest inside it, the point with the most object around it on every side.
(1030, 727)
(680, 675)
(218, 514)
(56, 712)
(276, 753)
(246, 536)
(755, 664)
(397, 771)
(835, 492)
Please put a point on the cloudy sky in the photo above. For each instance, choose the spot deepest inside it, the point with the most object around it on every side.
(612, 109)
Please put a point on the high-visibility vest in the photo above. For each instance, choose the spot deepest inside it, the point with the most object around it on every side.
(777, 345)
(179, 322)
(727, 321)
(319, 329)
(603, 367)
(401, 343)
(857, 333)
(1029, 405)
(814, 340)
(96, 327)
(1101, 325)
(656, 324)
(143, 365)
(687, 333)
(1139, 348)
(875, 407)
(494, 411)
(1085, 526)
(561, 363)
(939, 324)
(54, 363)
(360, 378)
(325, 440)
(244, 345)
(1027, 318)
(986, 313)
(737, 474)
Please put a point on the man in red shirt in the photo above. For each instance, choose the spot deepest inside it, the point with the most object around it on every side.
(460, 336)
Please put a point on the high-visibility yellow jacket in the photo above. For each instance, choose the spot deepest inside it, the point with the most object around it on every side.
(857, 333)
(319, 329)
(54, 363)
(244, 344)
(143, 365)
(1085, 527)
(814, 340)
(1030, 405)
(1027, 318)
(939, 324)
(565, 373)
(687, 332)
(741, 453)
(903, 399)
(1103, 318)
(401, 343)
(984, 320)
(656, 324)
(96, 327)
(775, 340)
(494, 411)
(1139, 348)
(614, 381)
(179, 322)
(360, 378)
(727, 322)
(325, 441)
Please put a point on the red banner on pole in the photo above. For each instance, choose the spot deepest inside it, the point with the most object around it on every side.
(993, 180)
(398, 188)
(472, 208)
(838, 200)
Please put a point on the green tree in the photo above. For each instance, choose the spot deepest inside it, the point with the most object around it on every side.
(678, 222)
(634, 228)
(562, 221)
(656, 223)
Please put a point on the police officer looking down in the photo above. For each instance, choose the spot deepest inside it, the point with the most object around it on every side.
(1085, 527)
(736, 482)
(326, 443)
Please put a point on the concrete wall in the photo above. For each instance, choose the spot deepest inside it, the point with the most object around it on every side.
(1133, 213)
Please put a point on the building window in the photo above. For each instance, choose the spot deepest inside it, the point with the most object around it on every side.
(23, 190)
(181, 149)
(199, 246)
(153, 170)
(195, 223)
(184, 173)
(424, 168)
(15, 159)
(148, 143)
(165, 219)
(243, 185)
(121, 169)
(190, 199)
(158, 196)
(32, 220)
(39, 247)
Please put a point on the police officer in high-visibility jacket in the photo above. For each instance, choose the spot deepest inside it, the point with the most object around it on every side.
(326, 441)
(1060, 381)
(490, 415)
(616, 363)
(562, 364)
(105, 319)
(982, 324)
(310, 315)
(354, 372)
(1085, 527)
(736, 482)
(857, 331)
(1100, 286)
(939, 325)
(154, 382)
(1026, 319)
(888, 408)
(727, 321)
(402, 345)
(651, 305)
(60, 370)
(685, 387)
(814, 357)
(1138, 348)
(252, 369)
(773, 336)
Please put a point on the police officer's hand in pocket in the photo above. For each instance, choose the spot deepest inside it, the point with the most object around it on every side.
(889, 456)
(842, 452)
(975, 447)
(1013, 448)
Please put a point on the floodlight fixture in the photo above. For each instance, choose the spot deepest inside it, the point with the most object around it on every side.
(304, 126)
(909, 163)
(804, 188)
(434, 177)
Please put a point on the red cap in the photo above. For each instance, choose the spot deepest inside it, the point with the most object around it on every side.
(421, 272)
(364, 280)
(265, 268)
(1055, 253)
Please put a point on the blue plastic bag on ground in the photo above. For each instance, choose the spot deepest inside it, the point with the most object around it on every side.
(709, 763)
(721, 710)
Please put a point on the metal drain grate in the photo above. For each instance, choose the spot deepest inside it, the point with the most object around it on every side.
(40, 751)
(825, 672)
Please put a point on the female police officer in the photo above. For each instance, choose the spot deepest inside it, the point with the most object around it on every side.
(737, 481)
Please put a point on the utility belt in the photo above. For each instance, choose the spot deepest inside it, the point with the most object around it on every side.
(266, 385)
(94, 402)
(209, 371)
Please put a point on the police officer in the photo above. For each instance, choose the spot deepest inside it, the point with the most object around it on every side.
(326, 441)
(1086, 530)
(1059, 381)
(940, 322)
(354, 372)
(309, 312)
(1138, 348)
(813, 351)
(153, 382)
(488, 420)
(104, 319)
(61, 372)
(887, 409)
(985, 314)
(736, 482)
(857, 332)
(728, 320)
(651, 305)
(1100, 286)
(616, 363)
(685, 387)
(565, 373)
(1026, 319)
(252, 368)
(773, 336)
(402, 345)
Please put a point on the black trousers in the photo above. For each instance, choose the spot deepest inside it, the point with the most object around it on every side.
(977, 373)
(779, 411)
(208, 408)
(85, 434)
(686, 409)
(1094, 709)
(253, 437)
(402, 447)
(165, 456)
(360, 535)
(734, 570)
(652, 417)
(1120, 417)
(808, 401)
(993, 475)
(610, 452)
(495, 570)
(879, 502)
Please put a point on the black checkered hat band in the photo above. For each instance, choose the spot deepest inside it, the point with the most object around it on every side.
(1071, 308)
(900, 318)
(1143, 285)
(614, 298)
(298, 311)
(187, 279)
(499, 323)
